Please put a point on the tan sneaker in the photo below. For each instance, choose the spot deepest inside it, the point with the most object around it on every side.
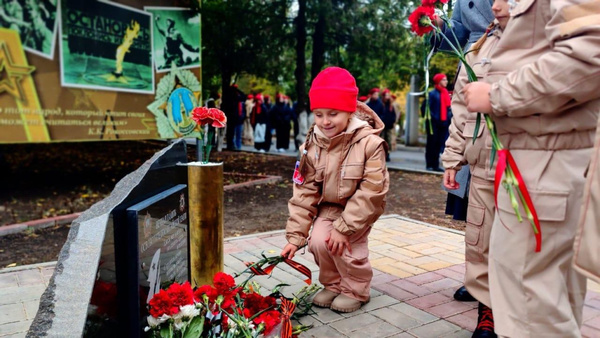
(343, 303)
(324, 298)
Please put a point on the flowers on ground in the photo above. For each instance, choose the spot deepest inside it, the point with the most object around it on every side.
(225, 309)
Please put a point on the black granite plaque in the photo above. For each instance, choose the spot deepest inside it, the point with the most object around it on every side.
(162, 222)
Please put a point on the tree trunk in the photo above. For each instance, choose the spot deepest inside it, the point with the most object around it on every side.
(228, 106)
(300, 72)
(318, 55)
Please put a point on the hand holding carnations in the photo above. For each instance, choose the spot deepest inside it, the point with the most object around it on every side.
(477, 97)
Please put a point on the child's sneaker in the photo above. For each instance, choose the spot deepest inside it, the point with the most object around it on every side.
(343, 303)
(324, 298)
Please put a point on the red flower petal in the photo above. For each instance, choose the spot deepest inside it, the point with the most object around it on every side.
(201, 115)
(218, 117)
(417, 19)
(161, 304)
(181, 294)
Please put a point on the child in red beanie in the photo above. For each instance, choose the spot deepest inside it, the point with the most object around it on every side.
(340, 185)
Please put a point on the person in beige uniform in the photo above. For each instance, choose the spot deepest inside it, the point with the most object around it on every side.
(586, 259)
(541, 89)
(461, 150)
(339, 189)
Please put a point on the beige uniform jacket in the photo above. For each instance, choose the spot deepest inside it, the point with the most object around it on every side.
(554, 48)
(460, 148)
(544, 87)
(346, 180)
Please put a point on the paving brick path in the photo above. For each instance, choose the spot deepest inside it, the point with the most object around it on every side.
(417, 269)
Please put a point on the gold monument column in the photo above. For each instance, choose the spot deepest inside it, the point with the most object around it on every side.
(205, 186)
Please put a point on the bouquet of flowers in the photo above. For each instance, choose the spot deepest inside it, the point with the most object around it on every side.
(213, 118)
(507, 172)
(225, 309)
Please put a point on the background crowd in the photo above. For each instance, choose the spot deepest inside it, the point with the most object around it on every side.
(254, 119)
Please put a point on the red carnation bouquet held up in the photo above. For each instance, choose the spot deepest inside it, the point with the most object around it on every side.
(225, 309)
(507, 172)
(211, 117)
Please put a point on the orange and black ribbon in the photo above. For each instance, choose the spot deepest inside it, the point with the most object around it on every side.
(504, 159)
(257, 270)
(287, 310)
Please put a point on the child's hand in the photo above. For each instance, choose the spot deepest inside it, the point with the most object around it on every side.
(289, 250)
(477, 97)
(450, 179)
(337, 242)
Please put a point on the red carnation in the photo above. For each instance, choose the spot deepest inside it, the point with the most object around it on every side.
(201, 115)
(228, 301)
(433, 3)
(223, 282)
(219, 120)
(181, 294)
(212, 116)
(270, 318)
(421, 19)
(207, 290)
(161, 304)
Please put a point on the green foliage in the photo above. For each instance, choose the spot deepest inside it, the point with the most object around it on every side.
(253, 41)
(443, 63)
(242, 36)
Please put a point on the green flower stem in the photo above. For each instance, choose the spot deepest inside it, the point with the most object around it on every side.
(208, 146)
(514, 202)
(200, 145)
(458, 53)
(447, 22)
(515, 185)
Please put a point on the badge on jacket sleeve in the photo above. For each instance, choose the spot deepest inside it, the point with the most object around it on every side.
(298, 179)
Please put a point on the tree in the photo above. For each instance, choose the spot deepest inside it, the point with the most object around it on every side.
(241, 36)
(300, 72)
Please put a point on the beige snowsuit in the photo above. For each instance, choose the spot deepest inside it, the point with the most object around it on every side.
(460, 150)
(545, 99)
(344, 189)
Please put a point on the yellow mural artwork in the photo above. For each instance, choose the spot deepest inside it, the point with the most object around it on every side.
(16, 81)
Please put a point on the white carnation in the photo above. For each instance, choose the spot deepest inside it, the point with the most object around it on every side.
(154, 322)
(179, 325)
(189, 311)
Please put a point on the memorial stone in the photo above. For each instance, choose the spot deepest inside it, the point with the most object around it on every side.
(104, 275)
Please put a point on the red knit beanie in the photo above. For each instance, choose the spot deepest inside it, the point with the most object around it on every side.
(334, 88)
(438, 77)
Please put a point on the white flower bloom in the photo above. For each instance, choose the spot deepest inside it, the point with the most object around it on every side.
(178, 316)
(179, 325)
(189, 311)
(154, 322)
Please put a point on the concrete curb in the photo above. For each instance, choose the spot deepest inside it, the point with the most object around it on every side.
(38, 224)
(266, 180)
(28, 267)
